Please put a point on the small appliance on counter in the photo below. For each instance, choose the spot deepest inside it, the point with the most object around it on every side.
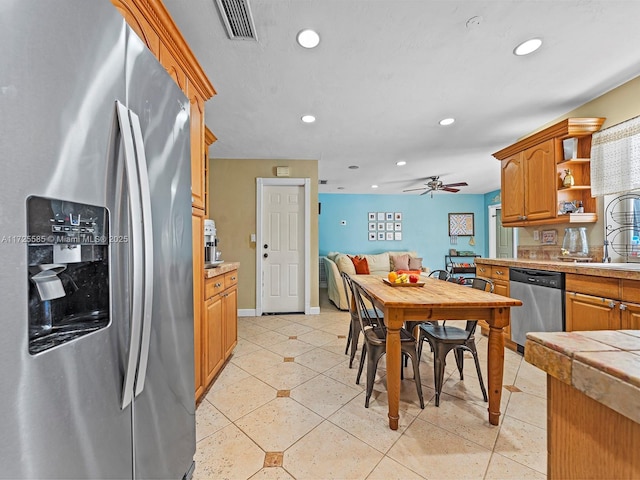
(212, 256)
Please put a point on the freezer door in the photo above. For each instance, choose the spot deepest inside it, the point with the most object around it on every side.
(62, 68)
(164, 406)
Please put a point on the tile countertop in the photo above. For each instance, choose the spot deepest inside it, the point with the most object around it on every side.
(221, 269)
(629, 271)
(602, 364)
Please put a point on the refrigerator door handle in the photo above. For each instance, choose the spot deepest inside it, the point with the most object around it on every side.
(147, 241)
(136, 253)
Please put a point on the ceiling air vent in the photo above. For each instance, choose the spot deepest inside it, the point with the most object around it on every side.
(322, 182)
(237, 19)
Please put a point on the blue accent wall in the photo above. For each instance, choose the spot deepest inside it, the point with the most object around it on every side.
(425, 224)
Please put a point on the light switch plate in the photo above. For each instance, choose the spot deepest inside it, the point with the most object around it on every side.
(536, 235)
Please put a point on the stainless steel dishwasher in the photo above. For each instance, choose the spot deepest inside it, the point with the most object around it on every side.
(542, 296)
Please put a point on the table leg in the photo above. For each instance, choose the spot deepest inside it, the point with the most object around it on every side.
(394, 364)
(495, 366)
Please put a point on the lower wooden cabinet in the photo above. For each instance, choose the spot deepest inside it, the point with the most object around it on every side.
(588, 312)
(499, 275)
(220, 325)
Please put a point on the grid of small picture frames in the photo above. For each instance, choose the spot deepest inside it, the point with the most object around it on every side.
(385, 226)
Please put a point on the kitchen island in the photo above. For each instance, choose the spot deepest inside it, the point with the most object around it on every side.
(593, 402)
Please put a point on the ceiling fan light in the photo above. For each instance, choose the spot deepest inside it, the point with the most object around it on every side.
(400, 163)
(447, 121)
(308, 38)
(527, 47)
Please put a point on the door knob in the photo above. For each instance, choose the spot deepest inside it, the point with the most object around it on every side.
(265, 255)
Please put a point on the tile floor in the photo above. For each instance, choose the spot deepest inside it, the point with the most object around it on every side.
(286, 406)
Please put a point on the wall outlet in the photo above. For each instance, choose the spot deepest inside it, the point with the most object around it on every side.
(253, 237)
(536, 235)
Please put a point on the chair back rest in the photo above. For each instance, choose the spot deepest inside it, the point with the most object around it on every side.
(348, 289)
(440, 274)
(480, 284)
(368, 317)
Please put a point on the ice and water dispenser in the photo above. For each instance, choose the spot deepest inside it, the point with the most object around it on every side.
(68, 262)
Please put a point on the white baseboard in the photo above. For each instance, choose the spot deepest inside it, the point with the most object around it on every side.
(314, 311)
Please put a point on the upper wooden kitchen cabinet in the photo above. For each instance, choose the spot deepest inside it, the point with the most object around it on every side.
(531, 181)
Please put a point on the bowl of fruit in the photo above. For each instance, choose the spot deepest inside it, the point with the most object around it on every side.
(395, 279)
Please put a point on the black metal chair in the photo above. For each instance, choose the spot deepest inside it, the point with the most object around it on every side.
(440, 274)
(444, 338)
(375, 344)
(354, 326)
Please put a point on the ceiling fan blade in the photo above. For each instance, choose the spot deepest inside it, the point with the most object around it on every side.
(414, 189)
(461, 184)
(452, 190)
(427, 191)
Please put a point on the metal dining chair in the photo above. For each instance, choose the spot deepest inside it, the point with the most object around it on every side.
(440, 274)
(375, 344)
(443, 338)
(354, 325)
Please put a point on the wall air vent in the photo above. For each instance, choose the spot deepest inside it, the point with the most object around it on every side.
(237, 19)
(322, 182)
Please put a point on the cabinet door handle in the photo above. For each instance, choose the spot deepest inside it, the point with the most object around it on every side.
(612, 304)
(218, 285)
(623, 306)
(233, 278)
(499, 272)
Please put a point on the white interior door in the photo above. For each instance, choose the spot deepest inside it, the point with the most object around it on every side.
(283, 259)
(503, 242)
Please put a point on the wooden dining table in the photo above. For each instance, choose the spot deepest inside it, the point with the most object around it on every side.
(439, 300)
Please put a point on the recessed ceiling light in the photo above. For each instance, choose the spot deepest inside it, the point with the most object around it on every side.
(530, 46)
(354, 167)
(374, 186)
(308, 38)
(308, 118)
(447, 121)
(401, 163)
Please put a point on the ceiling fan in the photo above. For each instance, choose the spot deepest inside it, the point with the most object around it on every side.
(434, 184)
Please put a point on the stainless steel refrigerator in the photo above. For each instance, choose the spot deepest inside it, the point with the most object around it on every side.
(96, 341)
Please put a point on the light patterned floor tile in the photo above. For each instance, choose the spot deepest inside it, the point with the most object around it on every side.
(532, 380)
(274, 322)
(236, 400)
(425, 447)
(272, 473)
(227, 454)
(294, 329)
(466, 419)
(229, 375)
(244, 347)
(389, 469)
(320, 359)
(324, 395)
(523, 443)
(286, 375)
(328, 452)
(209, 420)
(528, 408)
(278, 424)
(290, 348)
(371, 425)
(270, 338)
(501, 468)
(318, 338)
(257, 361)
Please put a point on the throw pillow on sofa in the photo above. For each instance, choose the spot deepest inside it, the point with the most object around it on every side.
(361, 265)
(415, 263)
(400, 262)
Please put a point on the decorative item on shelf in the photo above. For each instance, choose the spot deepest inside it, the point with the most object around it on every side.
(568, 180)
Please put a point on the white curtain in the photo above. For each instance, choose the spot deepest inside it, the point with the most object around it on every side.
(615, 159)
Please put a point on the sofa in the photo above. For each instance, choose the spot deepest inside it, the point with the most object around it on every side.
(379, 264)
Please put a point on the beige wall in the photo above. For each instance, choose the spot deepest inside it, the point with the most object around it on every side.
(616, 106)
(232, 205)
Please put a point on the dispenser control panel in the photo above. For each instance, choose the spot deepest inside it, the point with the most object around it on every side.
(53, 221)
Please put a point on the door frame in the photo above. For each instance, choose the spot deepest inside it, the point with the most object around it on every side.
(492, 232)
(291, 182)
